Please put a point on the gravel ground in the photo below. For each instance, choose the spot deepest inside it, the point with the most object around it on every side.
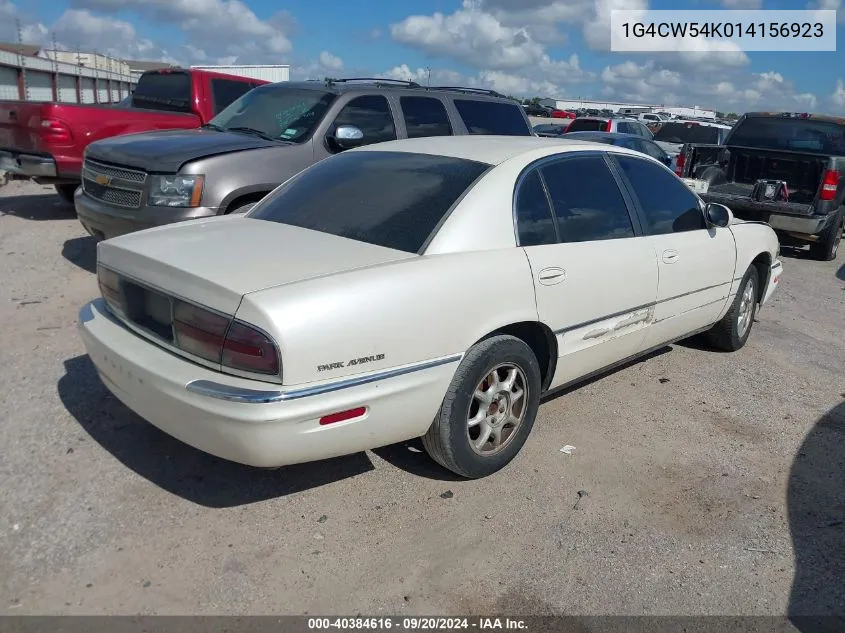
(713, 481)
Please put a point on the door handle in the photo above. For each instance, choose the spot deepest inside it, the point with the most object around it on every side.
(670, 256)
(552, 275)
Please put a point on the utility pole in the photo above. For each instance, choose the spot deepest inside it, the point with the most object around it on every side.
(23, 87)
(428, 68)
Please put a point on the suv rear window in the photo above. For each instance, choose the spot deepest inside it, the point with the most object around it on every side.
(587, 125)
(163, 91)
(391, 199)
(799, 135)
(687, 133)
(493, 117)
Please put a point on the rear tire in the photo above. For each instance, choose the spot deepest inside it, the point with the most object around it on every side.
(731, 333)
(66, 192)
(828, 243)
(489, 409)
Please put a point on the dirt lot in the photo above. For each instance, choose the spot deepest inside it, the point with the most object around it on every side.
(714, 481)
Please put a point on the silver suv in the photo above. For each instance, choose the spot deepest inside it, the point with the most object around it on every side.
(263, 138)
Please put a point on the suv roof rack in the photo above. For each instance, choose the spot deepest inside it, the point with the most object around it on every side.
(378, 80)
(483, 91)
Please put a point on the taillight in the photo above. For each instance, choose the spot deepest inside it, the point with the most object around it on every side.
(829, 185)
(56, 131)
(218, 339)
(109, 284)
(680, 163)
(608, 126)
(247, 349)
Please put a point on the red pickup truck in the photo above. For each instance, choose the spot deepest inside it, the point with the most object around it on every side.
(46, 141)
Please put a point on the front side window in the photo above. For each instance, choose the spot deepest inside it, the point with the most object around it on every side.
(534, 222)
(391, 199)
(586, 200)
(492, 117)
(425, 116)
(668, 206)
(279, 112)
(370, 114)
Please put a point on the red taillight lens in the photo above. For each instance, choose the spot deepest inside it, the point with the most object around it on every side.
(608, 126)
(198, 331)
(247, 349)
(109, 284)
(55, 131)
(829, 185)
(680, 163)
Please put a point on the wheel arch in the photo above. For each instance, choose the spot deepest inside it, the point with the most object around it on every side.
(763, 264)
(542, 341)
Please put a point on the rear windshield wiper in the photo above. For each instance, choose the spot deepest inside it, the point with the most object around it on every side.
(254, 132)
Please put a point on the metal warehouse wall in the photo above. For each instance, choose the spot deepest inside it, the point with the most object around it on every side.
(267, 73)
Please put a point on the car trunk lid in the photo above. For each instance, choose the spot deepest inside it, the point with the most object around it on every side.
(215, 261)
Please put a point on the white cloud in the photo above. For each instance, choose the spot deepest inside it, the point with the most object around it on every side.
(838, 96)
(329, 61)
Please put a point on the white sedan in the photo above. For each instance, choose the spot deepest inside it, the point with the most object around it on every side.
(432, 288)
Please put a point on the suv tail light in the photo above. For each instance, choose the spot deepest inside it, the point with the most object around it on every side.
(218, 339)
(829, 185)
(608, 127)
(56, 131)
(681, 162)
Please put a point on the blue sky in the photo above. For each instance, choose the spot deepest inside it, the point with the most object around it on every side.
(524, 47)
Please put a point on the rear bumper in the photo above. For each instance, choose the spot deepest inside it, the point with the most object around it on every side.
(268, 425)
(775, 274)
(104, 221)
(787, 217)
(28, 165)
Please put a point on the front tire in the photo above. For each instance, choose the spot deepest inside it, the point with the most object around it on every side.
(66, 192)
(489, 409)
(828, 243)
(731, 333)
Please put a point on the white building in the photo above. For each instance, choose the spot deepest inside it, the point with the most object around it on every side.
(271, 73)
(633, 108)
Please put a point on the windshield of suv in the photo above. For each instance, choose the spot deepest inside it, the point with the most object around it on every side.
(276, 112)
(688, 133)
(391, 199)
(799, 135)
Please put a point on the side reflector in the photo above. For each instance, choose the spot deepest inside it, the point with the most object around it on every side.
(342, 416)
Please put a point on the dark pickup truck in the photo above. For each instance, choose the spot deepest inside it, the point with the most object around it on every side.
(785, 169)
(47, 141)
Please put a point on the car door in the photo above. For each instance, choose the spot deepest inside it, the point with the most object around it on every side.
(369, 113)
(595, 275)
(695, 261)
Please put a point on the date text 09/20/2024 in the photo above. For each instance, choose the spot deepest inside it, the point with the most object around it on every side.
(415, 624)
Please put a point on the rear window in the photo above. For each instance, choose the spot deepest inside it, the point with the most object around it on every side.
(391, 199)
(688, 133)
(169, 91)
(799, 135)
(492, 117)
(587, 125)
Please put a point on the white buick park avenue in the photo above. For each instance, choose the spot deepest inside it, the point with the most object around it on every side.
(433, 287)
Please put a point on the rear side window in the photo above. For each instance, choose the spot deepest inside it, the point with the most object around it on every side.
(534, 222)
(492, 117)
(169, 91)
(391, 199)
(668, 206)
(587, 125)
(225, 91)
(586, 200)
(425, 116)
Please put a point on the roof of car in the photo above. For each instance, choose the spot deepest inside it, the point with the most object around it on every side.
(338, 86)
(492, 150)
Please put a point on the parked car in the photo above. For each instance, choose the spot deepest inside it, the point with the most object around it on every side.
(352, 307)
(535, 109)
(631, 141)
(651, 117)
(264, 138)
(46, 141)
(673, 135)
(780, 168)
(609, 123)
(554, 130)
(562, 114)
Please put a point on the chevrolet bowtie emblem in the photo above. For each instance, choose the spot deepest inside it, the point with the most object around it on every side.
(102, 179)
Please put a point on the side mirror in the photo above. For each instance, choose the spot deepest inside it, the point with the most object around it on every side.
(347, 137)
(718, 214)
